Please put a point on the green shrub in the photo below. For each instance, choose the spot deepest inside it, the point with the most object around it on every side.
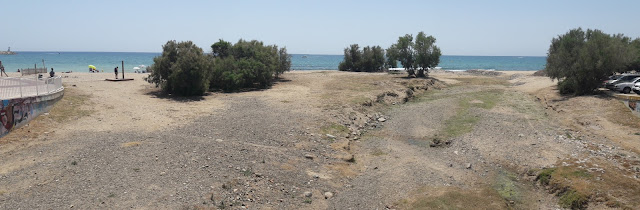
(181, 69)
(246, 64)
(369, 59)
(573, 200)
(545, 176)
(580, 60)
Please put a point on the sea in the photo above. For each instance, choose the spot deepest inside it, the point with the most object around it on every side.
(107, 61)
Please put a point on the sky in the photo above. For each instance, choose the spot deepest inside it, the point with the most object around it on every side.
(491, 28)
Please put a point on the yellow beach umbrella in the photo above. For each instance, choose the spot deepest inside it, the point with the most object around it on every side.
(92, 67)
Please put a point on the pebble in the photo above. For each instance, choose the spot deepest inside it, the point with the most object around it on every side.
(328, 195)
(331, 136)
(307, 194)
(308, 156)
(382, 119)
(520, 135)
(468, 166)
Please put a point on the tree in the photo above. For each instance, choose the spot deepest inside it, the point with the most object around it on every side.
(427, 53)
(369, 59)
(221, 49)
(392, 57)
(581, 60)
(406, 53)
(421, 54)
(181, 69)
(285, 61)
(635, 49)
(352, 59)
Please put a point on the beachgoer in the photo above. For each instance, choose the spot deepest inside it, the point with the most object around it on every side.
(2, 70)
(116, 71)
(52, 74)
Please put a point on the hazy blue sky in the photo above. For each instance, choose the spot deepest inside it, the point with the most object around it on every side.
(319, 27)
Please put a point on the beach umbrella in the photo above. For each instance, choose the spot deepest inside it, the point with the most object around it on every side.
(92, 67)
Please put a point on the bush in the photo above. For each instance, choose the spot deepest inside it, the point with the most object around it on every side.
(581, 60)
(246, 64)
(370, 59)
(184, 70)
(181, 69)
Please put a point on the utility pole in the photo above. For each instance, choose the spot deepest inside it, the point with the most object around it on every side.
(122, 69)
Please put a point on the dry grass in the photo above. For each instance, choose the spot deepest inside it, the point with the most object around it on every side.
(343, 169)
(592, 181)
(464, 120)
(619, 114)
(131, 144)
(484, 81)
(454, 198)
(71, 107)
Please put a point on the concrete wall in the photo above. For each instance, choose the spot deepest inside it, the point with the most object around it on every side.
(634, 106)
(15, 113)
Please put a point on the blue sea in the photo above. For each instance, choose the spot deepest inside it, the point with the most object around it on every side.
(79, 61)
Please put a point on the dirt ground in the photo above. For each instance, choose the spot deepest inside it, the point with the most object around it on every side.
(326, 140)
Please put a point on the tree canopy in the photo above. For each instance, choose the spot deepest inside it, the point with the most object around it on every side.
(369, 59)
(421, 54)
(183, 68)
(580, 60)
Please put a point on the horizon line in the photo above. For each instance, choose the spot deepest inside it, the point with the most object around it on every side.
(290, 54)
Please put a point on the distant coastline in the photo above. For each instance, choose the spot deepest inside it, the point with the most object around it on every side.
(7, 53)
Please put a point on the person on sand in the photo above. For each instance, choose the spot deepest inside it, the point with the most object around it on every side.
(2, 70)
(52, 74)
(116, 71)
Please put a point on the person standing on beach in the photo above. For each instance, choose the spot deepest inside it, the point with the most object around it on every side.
(116, 71)
(2, 70)
(52, 74)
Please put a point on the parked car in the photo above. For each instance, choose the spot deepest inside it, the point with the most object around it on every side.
(625, 87)
(636, 88)
(611, 79)
(624, 78)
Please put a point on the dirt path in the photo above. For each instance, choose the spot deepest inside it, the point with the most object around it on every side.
(316, 140)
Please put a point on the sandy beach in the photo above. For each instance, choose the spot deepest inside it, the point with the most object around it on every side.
(316, 140)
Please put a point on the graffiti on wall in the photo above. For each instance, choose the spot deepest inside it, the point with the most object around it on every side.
(17, 112)
(634, 105)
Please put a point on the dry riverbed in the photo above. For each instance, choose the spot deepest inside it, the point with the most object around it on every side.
(326, 140)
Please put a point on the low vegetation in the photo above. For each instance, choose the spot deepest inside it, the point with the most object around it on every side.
(465, 119)
(455, 198)
(577, 185)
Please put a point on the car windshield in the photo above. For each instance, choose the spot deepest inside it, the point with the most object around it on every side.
(615, 77)
(628, 78)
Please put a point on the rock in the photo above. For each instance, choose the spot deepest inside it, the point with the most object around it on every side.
(520, 135)
(331, 136)
(307, 194)
(382, 119)
(308, 156)
(468, 166)
(328, 195)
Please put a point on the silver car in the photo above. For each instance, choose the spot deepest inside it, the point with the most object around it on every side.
(636, 88)
(625, 86)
